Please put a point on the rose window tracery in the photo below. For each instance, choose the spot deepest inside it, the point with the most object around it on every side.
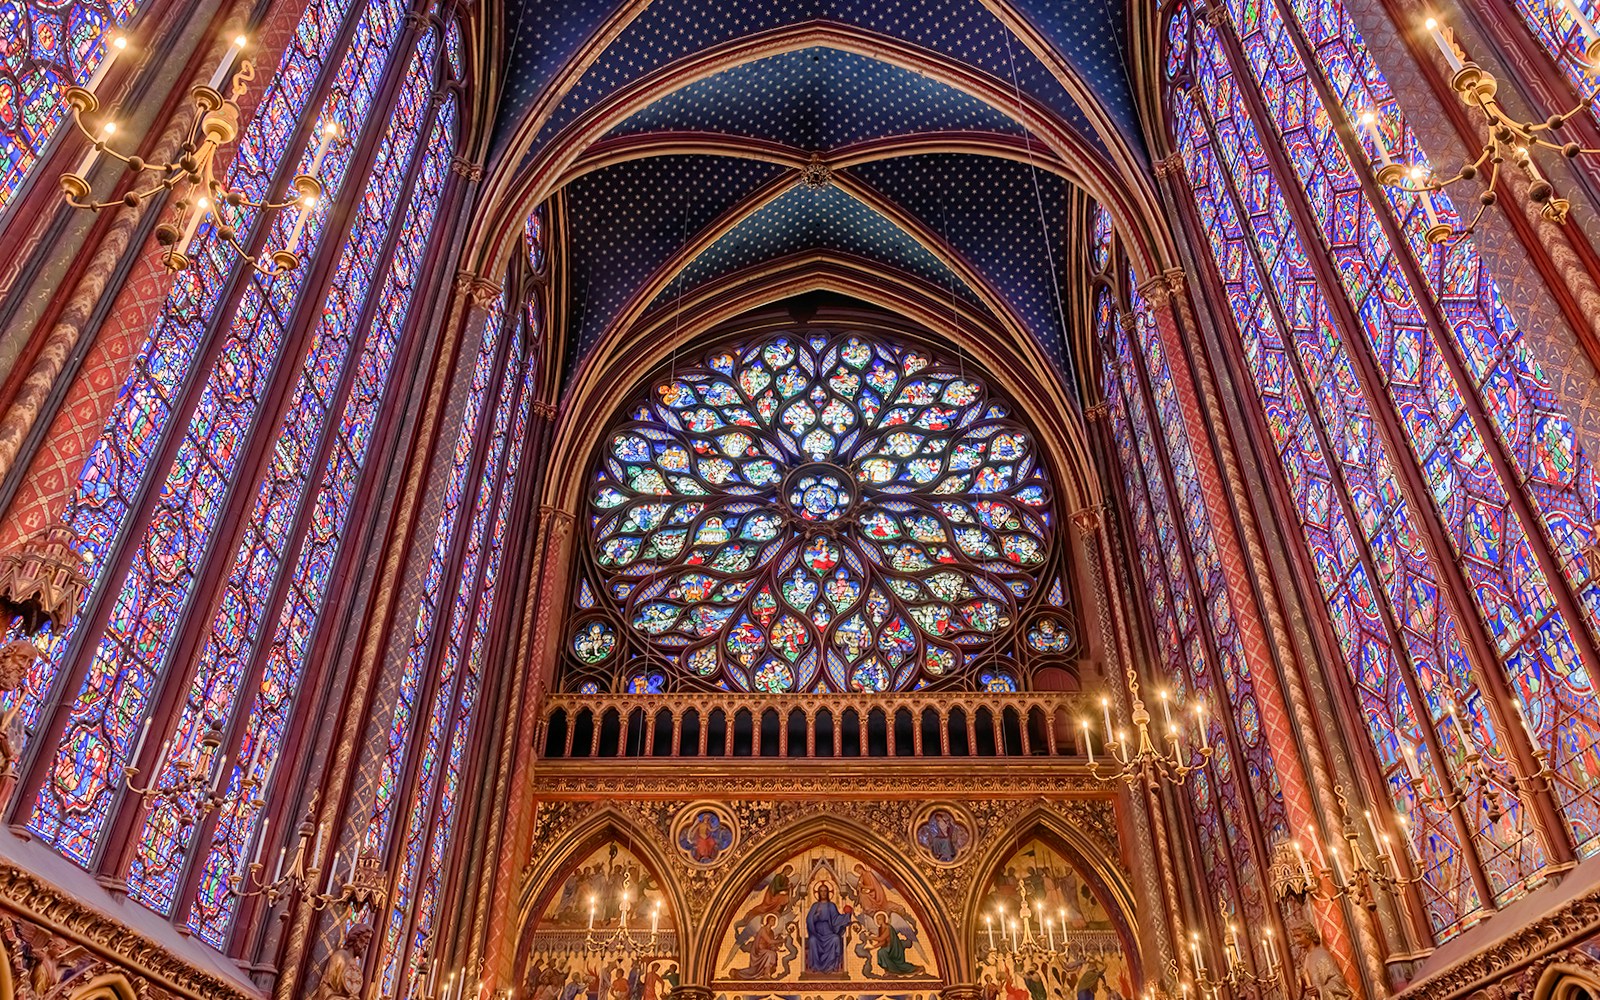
(823, 512)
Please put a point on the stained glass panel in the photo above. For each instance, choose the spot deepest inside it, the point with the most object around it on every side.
(45, 47)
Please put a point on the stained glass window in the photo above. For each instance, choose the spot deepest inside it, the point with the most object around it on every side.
(276, 561)
(45, 47)
(460, 647)
(1227, 853)
(827, 512)
(1555, 24)
(1347, 425)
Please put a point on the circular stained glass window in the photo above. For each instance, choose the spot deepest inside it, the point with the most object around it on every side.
(820, 513)
(594, 641)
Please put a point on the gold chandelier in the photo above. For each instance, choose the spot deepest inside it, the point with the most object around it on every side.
(1140, 758)
(201, 197)
(1507, 141)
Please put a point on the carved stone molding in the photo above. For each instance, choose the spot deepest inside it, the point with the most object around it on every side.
(463, 167)
(42, 904)
(1520, 954)
(1097, 412)
(1156, 290)
(544, 411)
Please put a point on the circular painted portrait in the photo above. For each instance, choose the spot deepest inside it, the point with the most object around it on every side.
(942, 833)
(705, 833)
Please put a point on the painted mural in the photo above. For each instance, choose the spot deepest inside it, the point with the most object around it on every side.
(606, 932)
(825, 924)
(1044, 933)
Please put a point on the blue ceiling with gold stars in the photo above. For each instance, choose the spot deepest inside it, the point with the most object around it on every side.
(986, 228)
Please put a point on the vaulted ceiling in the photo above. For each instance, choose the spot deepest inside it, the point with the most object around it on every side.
(693, 143)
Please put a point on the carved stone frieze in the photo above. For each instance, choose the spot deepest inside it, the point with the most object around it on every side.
(55, 942)
(1513, 965)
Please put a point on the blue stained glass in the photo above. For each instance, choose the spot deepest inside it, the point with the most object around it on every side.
(149, 604)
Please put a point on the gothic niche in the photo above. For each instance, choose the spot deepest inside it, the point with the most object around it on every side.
(825, 923)
(605, 931)
(1044, 932)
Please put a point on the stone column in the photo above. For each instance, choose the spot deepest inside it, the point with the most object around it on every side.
(961, 991)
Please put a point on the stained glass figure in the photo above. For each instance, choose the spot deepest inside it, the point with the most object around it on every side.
(824, 512)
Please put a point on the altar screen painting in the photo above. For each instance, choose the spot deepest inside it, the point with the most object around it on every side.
(578, 949)
(826, 924)
(1065, 916)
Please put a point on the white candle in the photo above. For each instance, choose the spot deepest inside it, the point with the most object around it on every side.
(1205, 735)
(1446, 49)
(138, 748)
(192, 228)
(1405, 835)
(115, 46)
(655, 919)
(1063, 916)
(989, 922)
(261, 839)
(1088, 744)
(255, 757)
(222, 769)
(221, 75)
(161, 758)
(1305, 869)
(330, 132)
(1412, 767)
(1338, 867)
(92, 156)
(301, 218)
(1194, 950)
(591, 913)
(333, 870)
(1428, 212)
(1370, 120)
(1372, 828)
(1105, 710)
(1269, 946)
(322, 831)
(279, 872)
(1166, 708)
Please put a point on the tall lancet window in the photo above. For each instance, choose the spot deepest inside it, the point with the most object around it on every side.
(1440, 491)
(431, 719)
(1191, 613)
(44, 48)
(1555, 23)
(236, 454)
(827, 511)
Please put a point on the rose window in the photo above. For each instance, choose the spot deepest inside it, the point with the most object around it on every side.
(817, 513)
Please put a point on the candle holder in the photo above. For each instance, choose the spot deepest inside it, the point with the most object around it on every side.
(622, 939)
(1293, 876)
(1236, 976)
(1020, 944)
(192, 175)
(194, 787)
(1139, 759)
(363, 888)
(1506, 140)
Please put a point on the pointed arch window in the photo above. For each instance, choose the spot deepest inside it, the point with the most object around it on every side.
(236, 453)
(431, 722)
(44, 49)
(1440, 492)
(833, 511)
(1191, 613)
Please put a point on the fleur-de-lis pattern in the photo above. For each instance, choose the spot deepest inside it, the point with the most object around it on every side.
(825, 512)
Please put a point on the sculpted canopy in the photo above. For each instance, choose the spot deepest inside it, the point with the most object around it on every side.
(816, 512)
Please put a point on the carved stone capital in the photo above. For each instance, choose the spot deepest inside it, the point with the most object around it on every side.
(1087, 520)
(482, 291)
(1156, 290)
(1168, 165)
(1176, 279)
(961, 991)
(544, 411)
(1099, 411)
(1214, 14)
(1128, 319)
(463, 167)
(688, 992)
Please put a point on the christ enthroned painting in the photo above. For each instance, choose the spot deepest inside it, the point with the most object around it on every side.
(825, 923)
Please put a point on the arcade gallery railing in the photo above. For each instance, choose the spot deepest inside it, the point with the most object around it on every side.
(724, 725)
